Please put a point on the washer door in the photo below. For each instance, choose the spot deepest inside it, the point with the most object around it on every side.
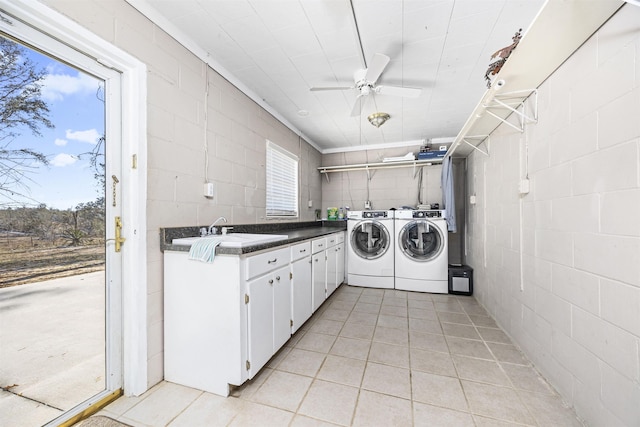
(421, 240)
(370, 239)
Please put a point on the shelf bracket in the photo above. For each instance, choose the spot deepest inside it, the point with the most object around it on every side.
(500, 101)
(475, 147)
(505, 121)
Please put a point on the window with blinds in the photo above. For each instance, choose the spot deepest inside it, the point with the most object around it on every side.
(282, 182)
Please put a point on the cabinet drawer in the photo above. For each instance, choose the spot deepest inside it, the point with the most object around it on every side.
(318, 245)
(300, 250)
(332, 240)
(341, 237)
(265, 262)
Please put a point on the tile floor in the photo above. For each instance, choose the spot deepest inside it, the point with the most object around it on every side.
(372, 357)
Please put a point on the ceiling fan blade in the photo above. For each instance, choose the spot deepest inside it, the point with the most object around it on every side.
(357, 106)
(376, 67)
(315, 89)
(407, 92)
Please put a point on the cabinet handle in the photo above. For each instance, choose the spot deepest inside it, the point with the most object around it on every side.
(278, 278)
(316, 259)
(320, 245)
(272, 261)
(303, 250)
(271, 281)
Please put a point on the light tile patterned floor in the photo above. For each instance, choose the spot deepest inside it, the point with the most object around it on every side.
(372, 357)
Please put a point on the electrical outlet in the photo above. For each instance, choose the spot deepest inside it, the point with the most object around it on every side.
(367, 204)
(208, 190)
(524, 186)
(310, 203)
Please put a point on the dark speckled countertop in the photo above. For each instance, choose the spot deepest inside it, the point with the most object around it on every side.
(296, 232)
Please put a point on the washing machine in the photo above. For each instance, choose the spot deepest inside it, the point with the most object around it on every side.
(370, 249)
(421, 254)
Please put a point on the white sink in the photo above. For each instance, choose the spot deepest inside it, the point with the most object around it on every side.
(235, 240)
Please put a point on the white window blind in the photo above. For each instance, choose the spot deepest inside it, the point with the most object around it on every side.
(282, 182)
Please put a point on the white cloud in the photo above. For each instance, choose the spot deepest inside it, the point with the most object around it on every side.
(56, 86)
(91, 135)
(63, 159)
(60, 142)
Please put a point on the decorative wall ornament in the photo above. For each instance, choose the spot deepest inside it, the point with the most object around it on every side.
(500, 57)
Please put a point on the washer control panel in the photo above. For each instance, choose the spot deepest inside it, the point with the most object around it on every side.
(427, 214)
(374, 214)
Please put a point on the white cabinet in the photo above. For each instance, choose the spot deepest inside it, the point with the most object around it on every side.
(268, 314)
(268, 303)
(340, 263)
(327, 266)
(260, 323)
(281, 307)
(319, 271)
(301, 285)
(335, 262)
(224, 320)
(332, 281)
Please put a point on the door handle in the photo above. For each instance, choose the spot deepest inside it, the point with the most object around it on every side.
(119, 240)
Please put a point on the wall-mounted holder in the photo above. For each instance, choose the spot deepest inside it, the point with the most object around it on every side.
(326, 170)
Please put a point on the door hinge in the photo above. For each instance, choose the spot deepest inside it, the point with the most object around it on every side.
(247, 364)
(291, 323)
(290, 275)
(246, 298)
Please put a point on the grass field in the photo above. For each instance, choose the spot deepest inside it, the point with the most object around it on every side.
(25, 259)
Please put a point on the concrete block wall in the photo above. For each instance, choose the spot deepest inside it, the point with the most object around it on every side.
(199, 127)
(559, 268)
(385, 189)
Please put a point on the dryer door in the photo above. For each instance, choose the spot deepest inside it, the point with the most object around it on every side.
(421, 240)
(370, 239)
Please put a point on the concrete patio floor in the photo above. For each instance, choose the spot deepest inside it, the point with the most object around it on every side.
(52, 341)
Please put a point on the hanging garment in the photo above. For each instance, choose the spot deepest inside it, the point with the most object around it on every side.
(448, 193)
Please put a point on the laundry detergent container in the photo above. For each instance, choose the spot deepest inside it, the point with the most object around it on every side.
(460, 280)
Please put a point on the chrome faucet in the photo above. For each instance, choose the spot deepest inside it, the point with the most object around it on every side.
(212, 227)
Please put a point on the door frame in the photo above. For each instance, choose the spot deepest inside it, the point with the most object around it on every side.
(133, 307)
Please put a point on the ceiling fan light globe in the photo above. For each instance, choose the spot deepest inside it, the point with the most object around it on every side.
(378, 119)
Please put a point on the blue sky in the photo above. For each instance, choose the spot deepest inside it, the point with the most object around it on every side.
(78, 115)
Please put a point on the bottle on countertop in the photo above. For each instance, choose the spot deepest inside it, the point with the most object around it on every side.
(341, 213)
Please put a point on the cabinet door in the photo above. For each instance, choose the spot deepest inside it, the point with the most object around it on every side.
(332, 265)
(281, 307)
(301, 304)
(340, 259)
(260, 322)
(319, 273)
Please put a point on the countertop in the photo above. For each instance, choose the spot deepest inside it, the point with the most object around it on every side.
(296, 232)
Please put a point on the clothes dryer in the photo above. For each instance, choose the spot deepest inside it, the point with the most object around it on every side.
(370, 249)
(421, 253)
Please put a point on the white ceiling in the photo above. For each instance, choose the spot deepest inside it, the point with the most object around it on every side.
(279, 49)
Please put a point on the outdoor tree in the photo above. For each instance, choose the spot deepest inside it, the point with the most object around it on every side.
(21, 109)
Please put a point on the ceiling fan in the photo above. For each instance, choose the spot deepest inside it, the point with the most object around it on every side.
(365, 84)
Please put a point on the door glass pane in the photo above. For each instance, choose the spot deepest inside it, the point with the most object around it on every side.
(52, 236)
(421, 240)
(370, 239)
